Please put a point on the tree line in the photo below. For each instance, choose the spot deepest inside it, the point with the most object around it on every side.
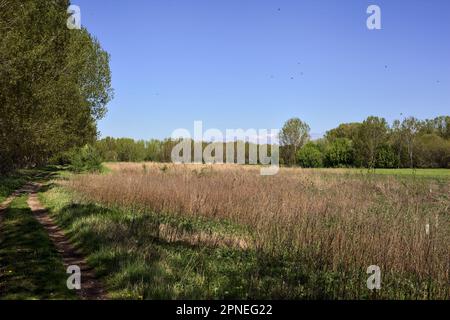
(373, 143)
(54, 83)
(125, 149)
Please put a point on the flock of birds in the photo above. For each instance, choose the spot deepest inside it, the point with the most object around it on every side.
(302, 73)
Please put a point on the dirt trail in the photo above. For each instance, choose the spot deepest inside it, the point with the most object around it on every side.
(91, 288)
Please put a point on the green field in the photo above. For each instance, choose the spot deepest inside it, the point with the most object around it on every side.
(427, 173)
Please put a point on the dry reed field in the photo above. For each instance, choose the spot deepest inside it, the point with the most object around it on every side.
(314, 232)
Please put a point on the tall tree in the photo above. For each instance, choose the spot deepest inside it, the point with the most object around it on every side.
(54, 83)
(397, 140)
(371, 136)
(340, 153)
(439, 126)
(343, 131)
(410, 129)
(293, 135)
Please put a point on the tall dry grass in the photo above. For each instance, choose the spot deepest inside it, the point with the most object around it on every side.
(334, 222)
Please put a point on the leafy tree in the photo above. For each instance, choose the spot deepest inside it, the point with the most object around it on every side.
(343, 131)
(54, 83)
(432, 151)
(410, 128)
(340, 153)
(107, 149)
(86, 158)
(386, 157)
(293, 135)
(310, 156)
(371, 136)
(153, 150)
(439, 126)
(397, 141)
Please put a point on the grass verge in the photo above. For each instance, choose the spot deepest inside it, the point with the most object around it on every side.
(30, 266)
(8, 184)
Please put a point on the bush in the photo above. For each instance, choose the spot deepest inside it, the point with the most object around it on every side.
(340, 153)
(386, 158)
(432, 151)
(310, 156)
(86, 158)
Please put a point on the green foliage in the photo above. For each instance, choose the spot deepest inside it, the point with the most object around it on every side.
(310, 156)
(17, 179)
(432, 151)
(54, 83)
(8, 184)
(86, 158)
(386, 157)
(129, 150)
(293, 136)
(407, 143)
(343, 131)
(439, 126)
(340, 153)
(371, 135)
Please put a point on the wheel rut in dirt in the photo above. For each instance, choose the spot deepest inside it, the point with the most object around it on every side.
(91, 288)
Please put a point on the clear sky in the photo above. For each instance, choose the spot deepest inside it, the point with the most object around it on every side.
(256, 63)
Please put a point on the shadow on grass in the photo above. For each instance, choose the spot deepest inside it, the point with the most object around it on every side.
(30, 266)
(11, 182)
(135, 263)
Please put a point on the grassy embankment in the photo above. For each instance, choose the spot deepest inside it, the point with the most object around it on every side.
(159, 231)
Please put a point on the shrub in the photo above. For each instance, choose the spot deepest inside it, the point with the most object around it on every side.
(310, 156)
(432, 151)
(86, 158)
(340, 153)
(386, 157)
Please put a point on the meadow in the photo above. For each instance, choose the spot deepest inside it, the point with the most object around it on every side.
(155, 231)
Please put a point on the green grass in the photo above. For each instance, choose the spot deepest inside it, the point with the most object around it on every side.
(30, 266)
(8, 184)
(430, 173)
(135, 263)
(419, 173)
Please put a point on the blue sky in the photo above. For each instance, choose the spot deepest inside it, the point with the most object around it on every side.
(256, 63)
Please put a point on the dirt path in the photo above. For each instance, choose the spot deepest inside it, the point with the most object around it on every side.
(91, 288)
